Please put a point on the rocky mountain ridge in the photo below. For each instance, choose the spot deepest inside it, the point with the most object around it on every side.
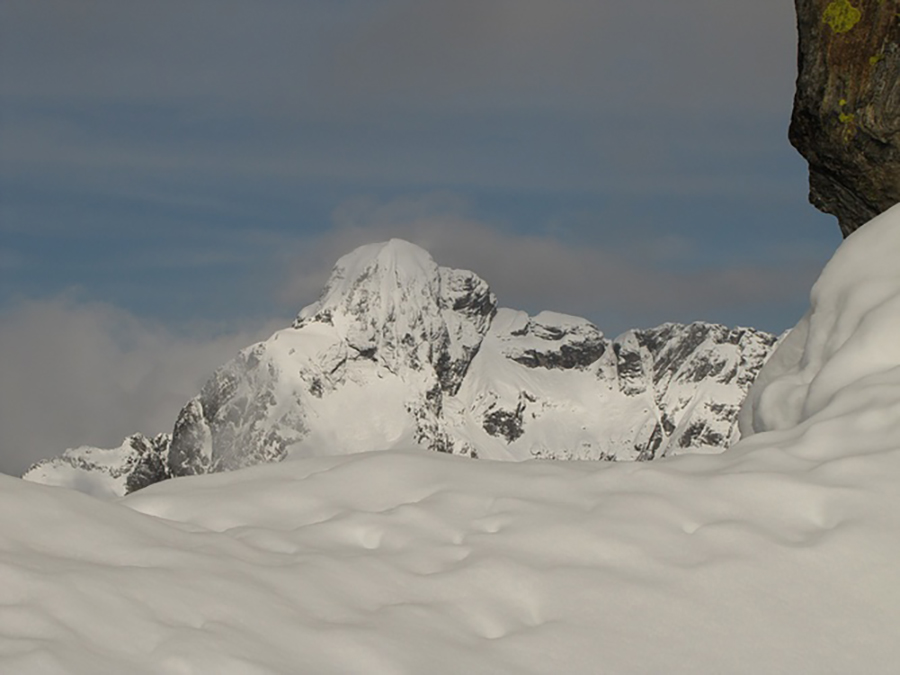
(399, 351)
(138, 462)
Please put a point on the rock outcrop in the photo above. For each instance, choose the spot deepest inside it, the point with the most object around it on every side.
(138, 462)
(846, 118)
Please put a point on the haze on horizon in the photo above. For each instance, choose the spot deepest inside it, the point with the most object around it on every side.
(178, 178)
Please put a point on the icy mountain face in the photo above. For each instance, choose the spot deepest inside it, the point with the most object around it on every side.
(398, 350)
(369, 363)
(106, 473)
(553, 387)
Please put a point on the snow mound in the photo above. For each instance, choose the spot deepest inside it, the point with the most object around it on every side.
(842, 360)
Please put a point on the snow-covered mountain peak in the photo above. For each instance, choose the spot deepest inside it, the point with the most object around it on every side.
(399, 351)
(370, 282)
(390, 302)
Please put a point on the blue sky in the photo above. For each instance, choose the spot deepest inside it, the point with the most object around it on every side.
(192, 169)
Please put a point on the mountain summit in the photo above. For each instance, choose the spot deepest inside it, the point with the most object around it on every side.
(393, 303)
(399, 351)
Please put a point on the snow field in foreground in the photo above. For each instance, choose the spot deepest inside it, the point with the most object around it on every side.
(778, 556)
(412, 563)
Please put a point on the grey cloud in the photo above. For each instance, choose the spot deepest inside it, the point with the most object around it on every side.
(623, 157)
(574, 53)
(139, 51)
(78, 373)
(295, 59)
(507, 94)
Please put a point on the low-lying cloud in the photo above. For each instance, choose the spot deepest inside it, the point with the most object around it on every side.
(85, 373)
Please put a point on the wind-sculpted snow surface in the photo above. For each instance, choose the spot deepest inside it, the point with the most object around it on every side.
(778, 556)
(845, 349)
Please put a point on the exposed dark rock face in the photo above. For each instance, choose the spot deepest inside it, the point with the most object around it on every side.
(846, 119)
(151, 465)
(567, 348)
(671, 359)
(507, 424)
(465, 299)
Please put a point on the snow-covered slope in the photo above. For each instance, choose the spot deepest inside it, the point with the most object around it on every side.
(778, 556)
(553, 387)
(399, 351)
(365, 367)
(107, 473)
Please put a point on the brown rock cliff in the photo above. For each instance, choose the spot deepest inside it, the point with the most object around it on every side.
(846, 118)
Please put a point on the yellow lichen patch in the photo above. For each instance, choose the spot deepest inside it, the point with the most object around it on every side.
(841, 16)
(849, 122)
(875, 59)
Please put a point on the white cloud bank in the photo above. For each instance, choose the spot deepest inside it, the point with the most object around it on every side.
(779, 556)
(630, 284)
(83, 373)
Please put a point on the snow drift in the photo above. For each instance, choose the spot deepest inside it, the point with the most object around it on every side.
(777, 556)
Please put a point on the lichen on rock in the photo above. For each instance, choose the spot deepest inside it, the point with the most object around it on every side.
(846, 117)
(841, 16)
